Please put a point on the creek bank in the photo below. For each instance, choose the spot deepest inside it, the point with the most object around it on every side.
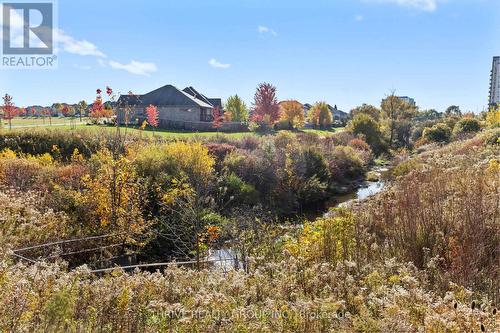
(226, 258)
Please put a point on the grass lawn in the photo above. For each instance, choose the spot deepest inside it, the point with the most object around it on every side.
(62, 123)
(323, 132)
(43, 122)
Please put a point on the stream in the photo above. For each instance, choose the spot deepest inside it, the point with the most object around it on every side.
(226, 257)
(366, 189)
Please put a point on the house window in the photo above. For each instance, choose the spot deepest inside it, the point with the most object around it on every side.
(206, 115)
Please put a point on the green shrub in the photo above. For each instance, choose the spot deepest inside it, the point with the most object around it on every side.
(239, 192)
(438, 133)
(345, 164)
(467, 125)
(37, 142)
(406, 167)
(493, 139)
(312, 190)
(369, 128)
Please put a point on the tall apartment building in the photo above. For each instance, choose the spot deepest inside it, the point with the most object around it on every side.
(408, 100)
(495, 82)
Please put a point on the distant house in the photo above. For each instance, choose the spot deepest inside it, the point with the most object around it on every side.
(185, 109)
(338, 116)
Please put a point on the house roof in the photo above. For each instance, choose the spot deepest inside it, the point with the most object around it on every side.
(170, 95)
(129, 100)
(194, 93)
(215, 102)
(167, 95)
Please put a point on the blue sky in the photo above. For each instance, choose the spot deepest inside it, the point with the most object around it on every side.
(346, 52)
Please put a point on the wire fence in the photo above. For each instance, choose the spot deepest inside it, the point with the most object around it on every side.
(166, 264)
(224, 264)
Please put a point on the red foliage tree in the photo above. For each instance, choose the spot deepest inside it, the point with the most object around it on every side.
(217, 118)
(97, 109)
(47, 112)
(100, 109)
(65, 110)
(265, 107)
(9, 110)
(152, 114)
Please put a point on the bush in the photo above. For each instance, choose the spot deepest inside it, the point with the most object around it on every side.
(494, 138)
(359, 144)
(340, 138)
(405, 167)
(175, 159)
(345, 164)
(219, 151)
(37, 142)
(25, 174)
(237, 192)
(466, 125)
(440, 133)
(369, 128)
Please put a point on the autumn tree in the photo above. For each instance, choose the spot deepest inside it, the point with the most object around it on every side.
(398, 114)
(493, 117)
(217, 118)
(293, 113)
(82, 106)
(152, 115)
(265, 109)
(365, 126)
(66, 110)
(47, 112)
(320, 115)
(113, 197)
(367, 109)
(430, 114)
(453, 110)
(100, 109)
(8, 108)
(58, 107)
(235, 109)
(97, 111)
(69, 111)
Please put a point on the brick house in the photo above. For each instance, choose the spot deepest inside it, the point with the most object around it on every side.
(185, 109)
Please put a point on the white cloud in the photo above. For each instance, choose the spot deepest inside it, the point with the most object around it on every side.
(359, 18)
(63, 42)
(216, 64)
(101, 62)
(135, 67)
(74, 46)
(426, 5)
(266, 30)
